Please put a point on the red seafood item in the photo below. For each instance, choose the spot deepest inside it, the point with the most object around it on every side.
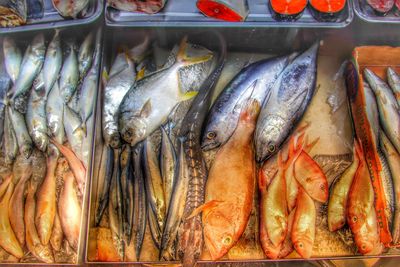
(228, 10)
(287, 9)
(381, 7)
(146, 6)
(397, 12)
(328, 6)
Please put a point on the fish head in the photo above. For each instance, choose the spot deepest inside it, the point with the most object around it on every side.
(41, 140)
(135, 130)
(303, 246)
(365, 242)
(26, 150)
(270, 137)
(211, 139)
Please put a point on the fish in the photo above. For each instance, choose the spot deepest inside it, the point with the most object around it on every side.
(149, 7)
(21, 132)
(75, 134)
(393, 159)
(176, 207)
(16, 207)
(12, 58)
(10, 140)
(75, 164)
(371, 110)
(4, 185)
(106, 171)
(387, 106)
(70, 211)
(127, 189)
(46, 205)
(190, 240)
(5, 84)
(367, 237)
(69, 75)
(167, 165)
(227, 10)
(114, 92)
(290, 96)
(35, 9)
(253, 81)
(52, 62)
(388, 189)
(155, 230)
(36, 114)
(154, 183)
(394, 81)
(55, 115)
(225, 216)
(140, 203)
(8, 240)
(70, 8)
(271, 251)
(13, 13)
(338, 197)
(57, 235)
(85, 54)
(139, 112)
(303, 232)
(31, 65)
(287, 244)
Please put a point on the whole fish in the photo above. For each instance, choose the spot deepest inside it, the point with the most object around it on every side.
(8, 240)
(36, 114)
(290, 96)
(114, 92)
(337, 205)
(31, 65)
(271, 251)
(69, 75)
(46, 206)
(140, 203)
(85, 55)
(75, 134)
(367, 237)
(10, 140)
(154, 183)
(190, 241)
(4, 185)
(70, 211)
(12, 58)
(303, 232)
(16, 208)
(371, 110)
(57, 234)
(393, 159)
(253, 81)
(5, 84)
(388, 189)
(140, 112)
(387, 105)
(52, 63)
(21, 132)
(155, 230)
(127, 189)
(55, 114)
(222, 228)
(14, 13)
(70, 8)
(167, 165)
(394, 81)
(287, 244)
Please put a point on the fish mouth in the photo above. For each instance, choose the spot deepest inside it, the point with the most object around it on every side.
(206, 146)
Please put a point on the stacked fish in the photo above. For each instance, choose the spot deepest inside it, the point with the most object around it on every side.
(147, 6)
(353, 198)
(45, 144)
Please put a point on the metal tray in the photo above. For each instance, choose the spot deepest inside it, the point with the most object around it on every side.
(184, 13)
(51, 18)
(366, 13)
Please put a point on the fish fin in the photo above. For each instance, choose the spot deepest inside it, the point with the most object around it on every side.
(304, 127)
(187, 61)
(206, 206)
(83, 128)
(140, 74)
(188, 95)
(146, 109)
(309, 146)
(250, 109)
(104, 77)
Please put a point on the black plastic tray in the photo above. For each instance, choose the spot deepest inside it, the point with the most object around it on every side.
(184, 13)
(366, 13)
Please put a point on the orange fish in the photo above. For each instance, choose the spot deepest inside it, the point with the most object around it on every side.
(287, 244)
(4, 185)
(367, 236)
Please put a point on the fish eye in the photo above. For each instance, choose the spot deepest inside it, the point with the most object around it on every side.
(271, 148)
(300, 245)
(211, 135)
(354, 218)
(227, 240)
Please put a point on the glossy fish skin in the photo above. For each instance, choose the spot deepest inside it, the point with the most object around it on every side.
(70, 211)
(36, 114)
(233, 170)
(394, 81)
(387, 106)
(114, 92)
(8, 240)
(12, 58)
(127, 188)
(287, 244)
(371, 110)
(85, 55)
(53, 62)
(5, 84)
(14, 13)
(69, 75)
(177, 204)
(46, 198)
(147, 105)
(271, 251)
(21, 132)
(367, 237)
(388, 189)
(70, 8)
(253, 81)
(57, 234)
(10, 140)
(55, 114)
(290, 96)
(75, 134)
(155, 230)
(167, 165)
(338, 197)
(4, 185)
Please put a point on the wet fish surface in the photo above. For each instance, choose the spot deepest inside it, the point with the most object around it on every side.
(52, 63)
(394, 81)
(70, 8)
(12, 58)
(85, 55)
(55, 114)
(167, 165)
(69, 75)
(21, 132)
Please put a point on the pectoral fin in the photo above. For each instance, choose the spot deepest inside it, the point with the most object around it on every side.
(206, 206)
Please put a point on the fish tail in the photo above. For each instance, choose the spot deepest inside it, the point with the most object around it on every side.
(187, 61)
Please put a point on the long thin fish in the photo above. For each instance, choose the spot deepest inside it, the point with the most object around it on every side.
(5, 84)
(12, 58)
(126, 186)
(52, 63)
(167, 165)
(394, 82)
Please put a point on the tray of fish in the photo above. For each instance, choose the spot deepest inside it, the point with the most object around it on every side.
(48, 87)
(222, 13)
(384, 11)
(26, 15)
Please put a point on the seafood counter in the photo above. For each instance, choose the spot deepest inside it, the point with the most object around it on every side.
(48, 90)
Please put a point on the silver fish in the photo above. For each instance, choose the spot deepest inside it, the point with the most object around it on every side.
(388, 188)
(5, 84)
(53, 62)
(154, 226)
(36, 114)
(70, 8)
(75, 134)
(74, 101)
(394, 81)
(69, 75)
(55, 114)
(387, 105)
(85, 55)
(21, 132)
(147, 104)
(10, 140)
(30, 67)
(371, 110)
(289, 99)
(12, 58)
(254, 81)
(127, 189)
(167, 165)
(114, 92)
(13, 13)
